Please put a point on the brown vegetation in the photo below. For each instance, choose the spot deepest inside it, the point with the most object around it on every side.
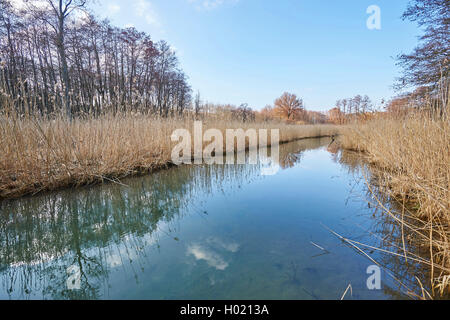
(39, 154)
(411, 158)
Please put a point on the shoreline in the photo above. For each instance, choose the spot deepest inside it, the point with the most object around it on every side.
(414, 173)
(134, 172)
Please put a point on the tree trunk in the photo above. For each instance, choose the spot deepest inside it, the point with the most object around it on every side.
(64, 67)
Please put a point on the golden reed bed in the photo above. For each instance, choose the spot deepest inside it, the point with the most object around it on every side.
(411, 159)
(42, 155)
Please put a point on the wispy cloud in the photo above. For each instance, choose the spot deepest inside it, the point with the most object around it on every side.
(145, 9)
(211, 4)
(113, 8)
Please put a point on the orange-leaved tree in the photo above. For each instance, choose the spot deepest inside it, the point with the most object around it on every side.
(288, 105)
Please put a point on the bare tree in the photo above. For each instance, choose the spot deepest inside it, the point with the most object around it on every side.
(428, 64)
(243, 113)
(57, 16)
(197, 105)
(84, 66)
(288, 105)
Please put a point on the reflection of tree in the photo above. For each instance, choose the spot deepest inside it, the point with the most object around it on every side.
(290, 160)
(291, 153)
(47, 234)
(42, 236)
(386, 232)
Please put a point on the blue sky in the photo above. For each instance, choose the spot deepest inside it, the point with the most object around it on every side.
(251, 51)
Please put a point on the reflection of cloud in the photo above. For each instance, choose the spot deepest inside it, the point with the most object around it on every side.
(212, 258)
(231, 247)
(209, 252)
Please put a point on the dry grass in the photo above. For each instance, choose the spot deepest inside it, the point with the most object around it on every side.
(411, 160)
(39, 155)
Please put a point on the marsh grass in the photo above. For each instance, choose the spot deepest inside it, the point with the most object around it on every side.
(38, 154)
(410, 160)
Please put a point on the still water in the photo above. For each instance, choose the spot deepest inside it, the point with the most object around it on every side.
(203, 232)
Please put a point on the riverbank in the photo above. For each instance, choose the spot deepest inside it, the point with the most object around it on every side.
(410, 159)
(45, 155)
(225, 222)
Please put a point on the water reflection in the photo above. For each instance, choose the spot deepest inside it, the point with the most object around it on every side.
(384, 238)
(102, 228)
(211, 251)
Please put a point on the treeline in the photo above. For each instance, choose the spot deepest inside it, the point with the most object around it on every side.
(290, 109)
(287, 109)
(425, 71)
(58, 56)
(356, 108)
(420, 100)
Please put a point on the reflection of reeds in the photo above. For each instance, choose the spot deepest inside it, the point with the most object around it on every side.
(99, 228)
(102, 227)
(411, 164)
(40, 154)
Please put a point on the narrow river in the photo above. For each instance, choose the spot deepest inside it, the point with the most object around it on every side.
(204, 232)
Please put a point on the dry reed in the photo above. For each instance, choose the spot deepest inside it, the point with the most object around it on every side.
(39, 155)
(411, 163)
